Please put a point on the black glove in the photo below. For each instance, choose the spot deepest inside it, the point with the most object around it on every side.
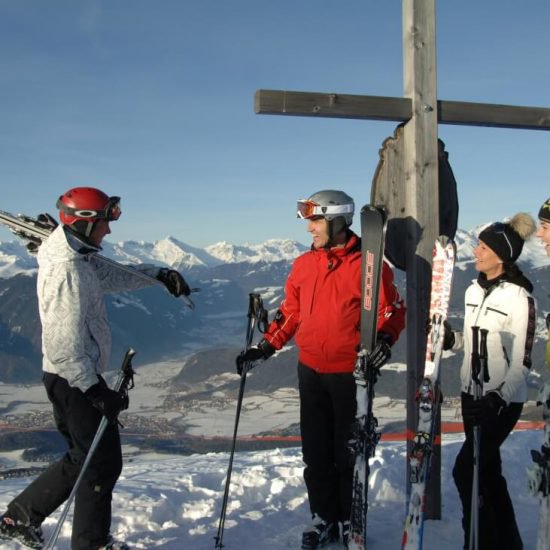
(262, 351)
(174, 282)
(477, 411)
(108, 402)
(381, 353)
(449, 336)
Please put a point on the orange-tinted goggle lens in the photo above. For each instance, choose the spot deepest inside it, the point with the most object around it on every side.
(113, 210)
(306, 209)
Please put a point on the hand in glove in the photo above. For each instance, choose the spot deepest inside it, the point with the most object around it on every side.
(108, 402)
(262, 351)
(381, 353)
(449, 336)
(476, 411)
(174, 282)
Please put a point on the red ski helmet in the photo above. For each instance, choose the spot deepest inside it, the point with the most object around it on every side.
(87, 204)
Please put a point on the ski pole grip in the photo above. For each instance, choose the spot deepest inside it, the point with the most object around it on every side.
(254, 305)
(126, 380)
(476, 363)
(127, 361)
(483, 354)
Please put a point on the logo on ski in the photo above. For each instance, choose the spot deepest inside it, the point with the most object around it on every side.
(369, 281)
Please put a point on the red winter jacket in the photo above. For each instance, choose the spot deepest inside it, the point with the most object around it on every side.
(322, 308)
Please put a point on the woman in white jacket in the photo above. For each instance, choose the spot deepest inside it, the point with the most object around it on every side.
(499, 301)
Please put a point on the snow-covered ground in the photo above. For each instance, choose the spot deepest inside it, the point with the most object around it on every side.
(168, 501)
(174, 502)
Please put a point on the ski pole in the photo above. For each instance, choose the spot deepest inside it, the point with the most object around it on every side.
(123, 384)
(256, 315)
(476, 365)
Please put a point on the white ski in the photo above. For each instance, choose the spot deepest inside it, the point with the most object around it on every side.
(428, 394)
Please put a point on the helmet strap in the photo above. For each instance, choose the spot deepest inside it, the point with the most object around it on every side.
(83, 228)
(334, 228)
(89, 229)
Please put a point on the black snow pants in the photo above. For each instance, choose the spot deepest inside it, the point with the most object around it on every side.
(498, 529)
(77, 420)
(327, 411)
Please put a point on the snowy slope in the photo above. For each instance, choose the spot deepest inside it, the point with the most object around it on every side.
(173, 502)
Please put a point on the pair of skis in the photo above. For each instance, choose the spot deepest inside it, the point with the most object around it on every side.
(365, 431)
(37, 230)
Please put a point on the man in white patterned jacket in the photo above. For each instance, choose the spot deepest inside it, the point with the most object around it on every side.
(76, 345)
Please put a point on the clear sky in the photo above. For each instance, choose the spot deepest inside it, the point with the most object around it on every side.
(153, 101)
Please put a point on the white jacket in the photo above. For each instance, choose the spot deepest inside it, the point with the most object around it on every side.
(507, 311)
(76, 339)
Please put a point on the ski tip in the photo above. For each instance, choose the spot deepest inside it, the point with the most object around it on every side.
(188, 302)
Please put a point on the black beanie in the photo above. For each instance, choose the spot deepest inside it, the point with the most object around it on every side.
(503, 241)
(506, 239)
(544, 212)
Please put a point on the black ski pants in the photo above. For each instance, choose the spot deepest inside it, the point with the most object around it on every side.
(77, 420)
(327, 411)
(498, 529)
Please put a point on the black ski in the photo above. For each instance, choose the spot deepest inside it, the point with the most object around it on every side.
(365, 432)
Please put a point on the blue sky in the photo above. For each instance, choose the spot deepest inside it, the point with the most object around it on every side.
(153, 101)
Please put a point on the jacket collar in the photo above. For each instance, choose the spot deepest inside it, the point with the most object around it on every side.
(335, 255)
(351, 245)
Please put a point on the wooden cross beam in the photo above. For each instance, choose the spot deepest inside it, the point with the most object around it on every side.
(421, 112)
(399, 109)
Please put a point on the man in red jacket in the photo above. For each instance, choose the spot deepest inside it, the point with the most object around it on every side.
(321, 310)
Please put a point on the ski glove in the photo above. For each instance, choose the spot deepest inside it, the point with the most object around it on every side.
(381, 353)
(107, 401)
(477, 411)
(449, 336)
(260, 352)
(174, 282)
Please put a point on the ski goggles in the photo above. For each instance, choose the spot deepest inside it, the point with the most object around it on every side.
(544, 212)
(111, 212)
(309, 209)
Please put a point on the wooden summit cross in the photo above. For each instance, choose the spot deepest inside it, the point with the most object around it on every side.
(421, 112)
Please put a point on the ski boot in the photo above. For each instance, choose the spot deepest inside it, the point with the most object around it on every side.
(346, 528)
(113, 544)
(320, 533)
(29, 535)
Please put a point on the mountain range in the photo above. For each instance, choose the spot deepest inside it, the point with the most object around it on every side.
(161, 327)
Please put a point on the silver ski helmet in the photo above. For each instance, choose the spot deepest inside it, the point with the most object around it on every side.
(335, 206)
